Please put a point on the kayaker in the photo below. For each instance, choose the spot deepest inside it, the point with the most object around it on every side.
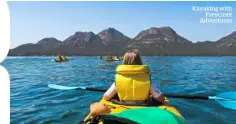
(59, 58)
(115, 57)
(64, 58)
(133, 80)
(109, 58)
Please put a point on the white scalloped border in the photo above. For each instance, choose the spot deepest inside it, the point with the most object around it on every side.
(5, 96)
(4, 30)
(4, 76)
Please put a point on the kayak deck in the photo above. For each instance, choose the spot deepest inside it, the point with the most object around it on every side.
(115, 108)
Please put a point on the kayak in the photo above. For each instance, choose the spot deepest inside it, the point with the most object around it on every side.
(115, 59)
(60, 61)
(112, 60)
(125, 110)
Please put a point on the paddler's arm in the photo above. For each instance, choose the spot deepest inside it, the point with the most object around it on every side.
(157, 95)
(110, 92)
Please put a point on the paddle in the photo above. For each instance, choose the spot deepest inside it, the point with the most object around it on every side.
(227, 99)
(60, 87)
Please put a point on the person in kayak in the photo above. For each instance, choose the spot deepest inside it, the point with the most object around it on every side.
(132, 81)
(109, 58)
(59, 58)
(64, 58)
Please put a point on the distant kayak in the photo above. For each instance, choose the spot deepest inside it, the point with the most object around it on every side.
(61, 60)
(111, 60)
(116, 59)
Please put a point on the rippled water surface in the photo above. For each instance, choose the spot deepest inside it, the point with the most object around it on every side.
(33, 102)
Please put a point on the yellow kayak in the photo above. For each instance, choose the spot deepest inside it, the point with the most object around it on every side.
(112, 60)
(60, 60)
(117, 108)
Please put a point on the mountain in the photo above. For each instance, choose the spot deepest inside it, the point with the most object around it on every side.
(35, 49)
(48, 42)
(26, 49)
(163, 35)
(227, 41)
(161, 41)
(83, 40)
(111, 36)
(115, 42)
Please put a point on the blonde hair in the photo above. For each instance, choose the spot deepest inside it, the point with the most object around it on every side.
(132, 57)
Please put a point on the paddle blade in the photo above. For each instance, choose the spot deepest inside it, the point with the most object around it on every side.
(228, 95)
(60, 87)
(228, 104)
(228, 100)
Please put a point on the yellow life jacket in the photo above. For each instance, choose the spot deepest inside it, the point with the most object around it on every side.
(133, 82)
(59, 58)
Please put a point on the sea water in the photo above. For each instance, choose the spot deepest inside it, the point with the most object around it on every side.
(32, 101)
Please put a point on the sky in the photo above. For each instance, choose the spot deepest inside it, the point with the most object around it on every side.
(33, 21)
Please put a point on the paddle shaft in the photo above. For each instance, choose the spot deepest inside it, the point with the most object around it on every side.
(167, 95)
(95, 89)
(226, 100)
(187, 96)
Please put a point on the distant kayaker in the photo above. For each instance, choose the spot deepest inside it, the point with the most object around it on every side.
(115, 57)
(59, 58)
(109, 57)
(133, 81)
(64, 58)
